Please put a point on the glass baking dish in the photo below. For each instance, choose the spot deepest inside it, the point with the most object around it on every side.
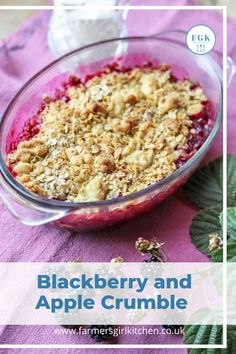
(168, 47)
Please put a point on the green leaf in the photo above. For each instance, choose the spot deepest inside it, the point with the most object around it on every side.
(203, 334)
(231, 180)
(205, 187)
(231, 222)
(217, 256)
(206, 222)
(210, 334)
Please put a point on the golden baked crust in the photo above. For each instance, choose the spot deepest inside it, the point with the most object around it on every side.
(116, 135)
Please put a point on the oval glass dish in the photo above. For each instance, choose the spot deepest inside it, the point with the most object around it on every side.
(169, 48)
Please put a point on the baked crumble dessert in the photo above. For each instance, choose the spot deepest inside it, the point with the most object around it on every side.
(113, 134)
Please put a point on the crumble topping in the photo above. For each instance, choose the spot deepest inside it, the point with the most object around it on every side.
(115, 134)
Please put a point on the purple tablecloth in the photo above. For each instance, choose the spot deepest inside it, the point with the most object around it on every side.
(20, 57)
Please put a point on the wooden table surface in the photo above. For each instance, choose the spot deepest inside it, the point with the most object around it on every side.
(10, 20)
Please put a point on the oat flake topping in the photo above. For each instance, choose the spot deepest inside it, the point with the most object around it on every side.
(115, 134)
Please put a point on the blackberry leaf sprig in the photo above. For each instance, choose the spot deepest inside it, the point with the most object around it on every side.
(205, 189)
(153, 248)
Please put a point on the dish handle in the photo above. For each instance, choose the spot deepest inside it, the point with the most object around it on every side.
(23, 210)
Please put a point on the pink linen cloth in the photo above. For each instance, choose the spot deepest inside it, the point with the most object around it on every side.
(23, 55)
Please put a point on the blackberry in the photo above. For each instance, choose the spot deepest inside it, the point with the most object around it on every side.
(108, 272)
(65, 319)
(153, 259)
(175, 329)
(100, 332)
(151, 271)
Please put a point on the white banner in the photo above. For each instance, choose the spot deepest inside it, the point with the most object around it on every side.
(115, 293)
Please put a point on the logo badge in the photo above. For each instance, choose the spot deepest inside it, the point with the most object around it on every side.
(200, 39)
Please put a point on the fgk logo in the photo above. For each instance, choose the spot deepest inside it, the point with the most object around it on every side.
(200, 39)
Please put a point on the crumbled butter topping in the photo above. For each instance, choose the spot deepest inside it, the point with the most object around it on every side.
(117, 134)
